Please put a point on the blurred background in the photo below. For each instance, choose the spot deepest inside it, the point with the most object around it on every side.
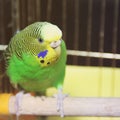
(87, 25)
(91, 30)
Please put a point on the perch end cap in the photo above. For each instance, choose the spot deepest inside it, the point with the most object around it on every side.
(4, 103)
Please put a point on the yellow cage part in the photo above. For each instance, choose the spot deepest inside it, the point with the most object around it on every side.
(83, 82)
(91, 82)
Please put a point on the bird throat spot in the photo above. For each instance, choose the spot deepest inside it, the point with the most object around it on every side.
(48, 63)
(42, 61)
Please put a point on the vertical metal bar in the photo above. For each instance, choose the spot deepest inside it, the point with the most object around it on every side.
(15, 28)
(31, 11)
(15, 16)
(101, 43)
(76, 29)
(64, 17)
(38, 9)
(2, 39)
(114, 42)
(115, 29)
(2, 27)
(49, 9)
(89, 28)
(2, 74)
(23, 13)
(101, 35)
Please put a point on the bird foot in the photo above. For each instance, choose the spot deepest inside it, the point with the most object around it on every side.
(60, 97)
(18, 103)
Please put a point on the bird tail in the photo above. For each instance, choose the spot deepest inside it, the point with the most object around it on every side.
(5, 85)
(2, 65)
(2, 70)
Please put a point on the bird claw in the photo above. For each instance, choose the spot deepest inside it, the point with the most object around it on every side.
(60, 97)
(18, 103)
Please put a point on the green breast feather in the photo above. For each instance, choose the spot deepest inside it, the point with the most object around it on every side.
(32, 76)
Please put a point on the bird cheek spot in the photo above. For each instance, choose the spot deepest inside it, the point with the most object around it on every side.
(42, 61)
(42, 54)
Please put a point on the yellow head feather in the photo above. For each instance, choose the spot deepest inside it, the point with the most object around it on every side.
(50, 32)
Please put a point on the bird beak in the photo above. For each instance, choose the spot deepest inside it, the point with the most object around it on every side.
(55, 44)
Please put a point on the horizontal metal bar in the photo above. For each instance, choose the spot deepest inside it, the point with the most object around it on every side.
(3, 47)
(85, 53)
(93, 54)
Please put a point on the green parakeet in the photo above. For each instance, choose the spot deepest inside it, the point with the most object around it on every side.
(36, 57)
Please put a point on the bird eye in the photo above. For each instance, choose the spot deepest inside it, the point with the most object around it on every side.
(40, 40)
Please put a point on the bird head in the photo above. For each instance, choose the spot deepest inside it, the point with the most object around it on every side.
(46, 40)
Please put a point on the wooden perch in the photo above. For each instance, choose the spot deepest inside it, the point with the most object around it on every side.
(73, 106)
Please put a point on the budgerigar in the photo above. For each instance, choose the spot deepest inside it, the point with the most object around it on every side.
(36, 58)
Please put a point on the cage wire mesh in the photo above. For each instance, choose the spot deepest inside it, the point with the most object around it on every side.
(90, 28)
